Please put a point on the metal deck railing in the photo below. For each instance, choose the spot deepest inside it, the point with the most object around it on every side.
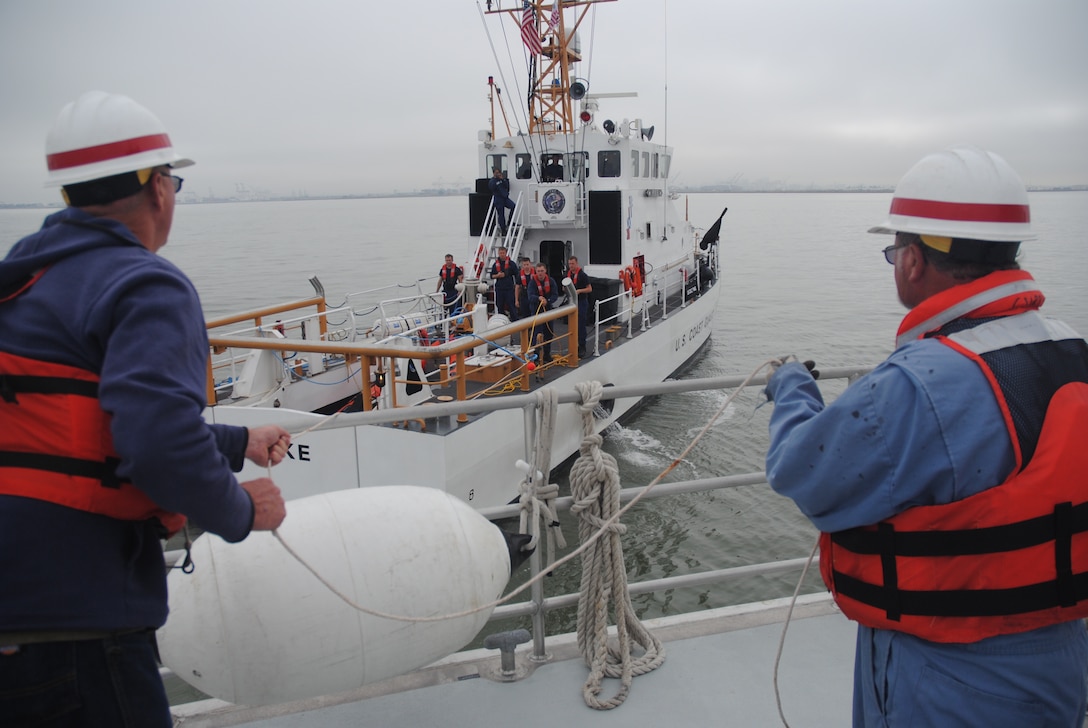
(537, 606)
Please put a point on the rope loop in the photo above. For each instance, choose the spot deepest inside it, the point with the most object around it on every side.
(536, 495)
(595, 487)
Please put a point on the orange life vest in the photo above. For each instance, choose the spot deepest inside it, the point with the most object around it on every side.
(55, 444)
(544, 285)
(1009, 559)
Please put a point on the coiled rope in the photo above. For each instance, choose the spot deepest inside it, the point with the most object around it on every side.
(537, 495)
(596, 474)
(595, 487)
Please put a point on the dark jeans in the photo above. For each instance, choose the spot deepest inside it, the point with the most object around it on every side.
(101, 683)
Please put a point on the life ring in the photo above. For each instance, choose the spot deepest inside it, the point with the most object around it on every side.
(632, 280)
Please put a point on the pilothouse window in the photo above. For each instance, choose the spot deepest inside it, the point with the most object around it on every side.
(578, 164)
(524, 165)
(608, 163)
(496, 160)
(551, 168)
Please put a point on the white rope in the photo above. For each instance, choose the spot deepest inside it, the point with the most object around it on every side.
(595, 486)
(537, 495)
(604, 528)
(786, 626)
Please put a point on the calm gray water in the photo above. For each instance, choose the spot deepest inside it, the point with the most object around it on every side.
(801, 277)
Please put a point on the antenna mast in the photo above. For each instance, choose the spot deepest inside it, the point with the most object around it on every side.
(555, 30)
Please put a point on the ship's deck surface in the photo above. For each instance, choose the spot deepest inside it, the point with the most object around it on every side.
(718, 671)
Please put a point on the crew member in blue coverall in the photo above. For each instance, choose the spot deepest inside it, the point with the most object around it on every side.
(926, 430)
(583, 288)
(499, 187)
(99, 329)
(543, 293)
(504, 274)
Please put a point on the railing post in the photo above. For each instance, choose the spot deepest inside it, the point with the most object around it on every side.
(596, 328)
(364, 374)
(212, 399)
(322, 320)
(524, 378)
(536, 593)
(572, 335)
(462, 392)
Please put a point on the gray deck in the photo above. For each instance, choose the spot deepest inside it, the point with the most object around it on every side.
(718, 671)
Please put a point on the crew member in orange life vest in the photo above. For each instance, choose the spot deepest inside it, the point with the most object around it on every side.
(504, 273)
(967, 442)
(521, 289)
(543, 293)
(583, 288)
(449, 275)
(102, 387)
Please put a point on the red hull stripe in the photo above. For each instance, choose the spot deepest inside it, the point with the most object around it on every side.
(966, 211)
(103, 152)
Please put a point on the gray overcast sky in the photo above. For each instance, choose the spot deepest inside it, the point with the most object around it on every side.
(328, 97)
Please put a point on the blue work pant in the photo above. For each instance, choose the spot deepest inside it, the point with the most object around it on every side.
(112, 682)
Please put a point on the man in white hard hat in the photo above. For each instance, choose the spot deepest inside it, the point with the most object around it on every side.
(103, 450)
(949, 483)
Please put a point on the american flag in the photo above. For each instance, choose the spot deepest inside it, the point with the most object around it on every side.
(553, 22)
(529, 32)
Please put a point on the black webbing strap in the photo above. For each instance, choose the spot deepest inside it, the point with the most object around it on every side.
(1058, 527)
(886, 533)
(961, 603)
(12, 385)
(1063, 554)
(990, 540)
(106, 471)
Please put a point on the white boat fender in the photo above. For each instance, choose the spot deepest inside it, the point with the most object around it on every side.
(253, 626)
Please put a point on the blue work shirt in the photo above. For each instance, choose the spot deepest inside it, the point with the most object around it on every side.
(922, 428)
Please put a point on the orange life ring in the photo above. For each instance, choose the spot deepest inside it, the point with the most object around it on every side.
(632, 280)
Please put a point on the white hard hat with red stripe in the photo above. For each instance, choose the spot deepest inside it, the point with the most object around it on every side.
(965, 193)
(100, 135)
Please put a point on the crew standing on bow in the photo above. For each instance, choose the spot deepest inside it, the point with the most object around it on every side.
(583, 288)
(504, 274)
(103, 449)
(449, 275)
(521, 290)
(543, 294)
(949, 482)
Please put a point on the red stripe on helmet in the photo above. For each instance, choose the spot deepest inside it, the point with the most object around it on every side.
(965, 211)
(103, 152)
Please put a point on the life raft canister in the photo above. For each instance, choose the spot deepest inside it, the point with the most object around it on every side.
(56, 445)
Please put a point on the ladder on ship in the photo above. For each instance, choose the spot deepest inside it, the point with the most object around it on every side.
(491, 239)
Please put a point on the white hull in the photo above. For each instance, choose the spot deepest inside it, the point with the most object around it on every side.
(476, 461)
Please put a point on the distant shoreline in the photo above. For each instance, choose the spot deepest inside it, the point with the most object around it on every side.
(707, 189)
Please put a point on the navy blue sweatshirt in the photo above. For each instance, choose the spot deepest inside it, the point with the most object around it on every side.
(108, 305)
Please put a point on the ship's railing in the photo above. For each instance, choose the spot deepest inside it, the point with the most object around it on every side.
(380, 353)
(537, 606)
(669, 279)
(623, 318)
